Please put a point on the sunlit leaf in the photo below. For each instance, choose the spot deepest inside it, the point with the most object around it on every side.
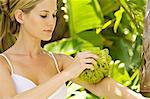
(84, 15)
(118, 16)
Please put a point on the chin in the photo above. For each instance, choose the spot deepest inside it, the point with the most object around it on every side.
(47, 39)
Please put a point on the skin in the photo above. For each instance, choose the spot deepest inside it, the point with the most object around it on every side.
(27, 58)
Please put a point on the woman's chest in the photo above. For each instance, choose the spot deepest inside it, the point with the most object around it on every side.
(37, 71)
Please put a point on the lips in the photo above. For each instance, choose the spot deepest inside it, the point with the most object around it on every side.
(48, 30)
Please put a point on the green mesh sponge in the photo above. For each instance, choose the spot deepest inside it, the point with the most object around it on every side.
(101, 69)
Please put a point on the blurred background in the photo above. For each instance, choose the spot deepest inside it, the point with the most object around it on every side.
(113, 24)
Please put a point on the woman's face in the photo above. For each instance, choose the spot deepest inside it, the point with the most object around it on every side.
(40, 21)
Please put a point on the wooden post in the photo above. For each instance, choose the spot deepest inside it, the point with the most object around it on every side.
(145, 69)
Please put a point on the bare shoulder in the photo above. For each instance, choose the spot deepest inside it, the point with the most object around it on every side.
(3, 64)
(63, 60)
(5, 79)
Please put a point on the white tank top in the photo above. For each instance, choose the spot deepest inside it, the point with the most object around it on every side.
(23, 84)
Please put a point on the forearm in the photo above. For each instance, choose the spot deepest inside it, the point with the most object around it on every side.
(114, 90)
(46, 89)
(110, 88)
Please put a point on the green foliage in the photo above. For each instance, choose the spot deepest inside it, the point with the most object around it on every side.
(123, 76)
(68, 46)
(87, 10)
(120, 28)
(101, 68)
(108, 6)
(118, 15)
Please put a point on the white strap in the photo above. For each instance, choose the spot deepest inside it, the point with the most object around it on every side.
(55, 62)
(9, 63)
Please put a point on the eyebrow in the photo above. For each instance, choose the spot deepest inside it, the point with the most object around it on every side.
(44, 11)
(48, 11)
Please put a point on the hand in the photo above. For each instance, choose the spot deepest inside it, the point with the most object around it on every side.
(82, 61)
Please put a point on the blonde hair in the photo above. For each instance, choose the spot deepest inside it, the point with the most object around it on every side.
(8, 23)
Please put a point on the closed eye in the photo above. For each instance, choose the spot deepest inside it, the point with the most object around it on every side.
(43, 16)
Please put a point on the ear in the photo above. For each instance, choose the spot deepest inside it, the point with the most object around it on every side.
(19, 16)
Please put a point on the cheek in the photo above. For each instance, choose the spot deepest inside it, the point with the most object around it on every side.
(38, 25)
(35, 23)
(33, 26)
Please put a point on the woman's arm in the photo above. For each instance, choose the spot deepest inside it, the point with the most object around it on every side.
(107, 87)
(115, 90)
(110, 88)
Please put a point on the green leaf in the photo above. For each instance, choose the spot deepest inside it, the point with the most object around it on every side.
(108, 6)
(118, 16)
(107, 24)
(84, 15)
(119, 73)
(97, 39)
(72, 89)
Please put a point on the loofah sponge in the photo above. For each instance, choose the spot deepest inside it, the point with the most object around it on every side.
(101, 68)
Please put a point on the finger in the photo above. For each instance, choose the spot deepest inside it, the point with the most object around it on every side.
(89, 66)
(81, 54)
(87, 54)
(90, 55)
(90, 61)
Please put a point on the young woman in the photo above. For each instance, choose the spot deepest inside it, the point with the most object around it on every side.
(29, 72)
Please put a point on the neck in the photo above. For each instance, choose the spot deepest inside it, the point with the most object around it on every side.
(27, 45)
